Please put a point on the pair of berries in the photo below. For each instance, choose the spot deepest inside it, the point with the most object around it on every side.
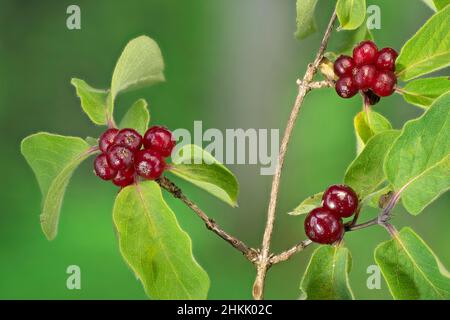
(324, 225)
(369, 71)
(122, 159)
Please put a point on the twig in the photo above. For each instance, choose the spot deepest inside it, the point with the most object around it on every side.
(285, 255)
(317, 84)
(263, 262)
(250, 253)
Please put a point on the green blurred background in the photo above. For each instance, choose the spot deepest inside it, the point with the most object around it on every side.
(229, 63)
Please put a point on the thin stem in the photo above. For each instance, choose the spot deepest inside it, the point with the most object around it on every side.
(263, 263)
(285, 255)
(362, 225)
(250, 253)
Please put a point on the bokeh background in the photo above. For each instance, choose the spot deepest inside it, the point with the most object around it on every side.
(229, 63)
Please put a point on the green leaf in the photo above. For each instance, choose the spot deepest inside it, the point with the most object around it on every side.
(306, 23)
(140, 65)
(197, 166)
(326, 277)
(423, 92)
(93, 102)
(93, 142)
(418, 164)
(373, 199)
(366, 173)
(428, 50)
(411, 269)
(367, 124)
(351, 13)
(430, 4)
(155, 247)
(441, 4)
(344, 41)
(53, 159)
(308, 204)
(137, 117)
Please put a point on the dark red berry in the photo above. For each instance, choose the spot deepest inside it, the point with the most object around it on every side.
(345, 87)
(340, 199)
(386, 59)
(344, 66)
(129, 138)
(107, 138)
(149, 164)
(365, 53)
(102, 169)
(371, 98)
(323, 226)
(119, 157)
(124, 177)
(159, 139)
(365, 77)
(384, 84)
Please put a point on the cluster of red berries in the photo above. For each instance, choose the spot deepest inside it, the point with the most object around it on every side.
(369, 71)
(324, 225)
(123, 159)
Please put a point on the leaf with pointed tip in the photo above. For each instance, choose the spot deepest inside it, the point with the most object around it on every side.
(140, 65)
(137, 117)
(366, 173)
(418, 164)
(155, 247)
(367, 124)
(200, 168)
(411, 269)
(428, 50)
(423, 92)
(351, 13)
(326, 277)
(53, 159)
(306, 22)
(430, 4)
(308, 204)
(93, 101)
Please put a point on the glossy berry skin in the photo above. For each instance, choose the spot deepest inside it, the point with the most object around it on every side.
(384, 84)
(365, 77)
(129, 138)
(343, 66)
(323, 226)
(124, 177)
(371, 98)
(346, 87)
(102, 169)
(159, 139)
(119, 157)
(365, 53)
(149, 164)
(341, 200)
(107, 139)
(386, 59)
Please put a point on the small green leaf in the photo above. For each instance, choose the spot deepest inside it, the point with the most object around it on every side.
(367, 124)
(197, 166)
(351, 13)
(93, 142)
(326, 277)
(155, 247)
(418, 164)
(140, 65)
(306, 22)
(441, 4)
(373, 199)
(53, 159)
(93, 102)
(308, 204)
(137, 117)
(423, 92)
(428, 50)
(411, 269)
(366, 173)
